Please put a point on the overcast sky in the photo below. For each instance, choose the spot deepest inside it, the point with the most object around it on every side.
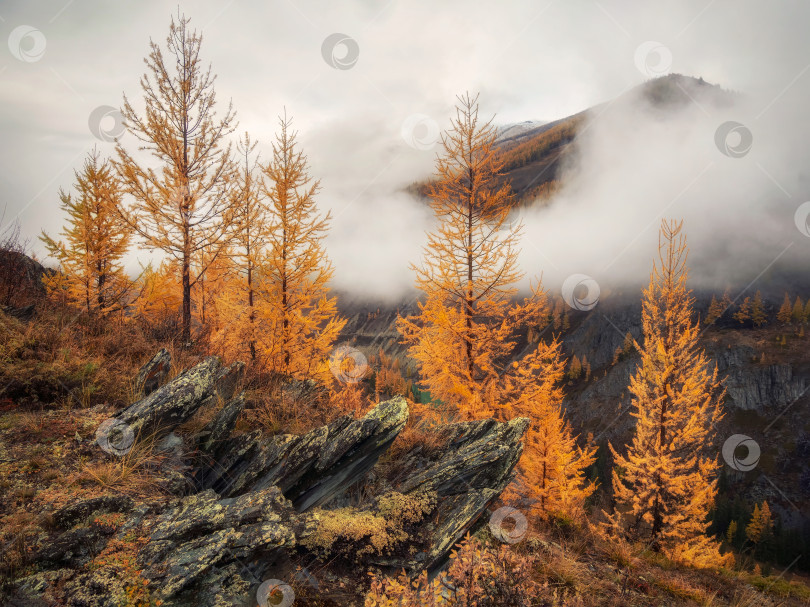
(529, 61)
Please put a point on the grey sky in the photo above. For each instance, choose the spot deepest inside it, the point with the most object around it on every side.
(529, 60)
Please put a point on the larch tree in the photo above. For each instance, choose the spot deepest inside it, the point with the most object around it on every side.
(465, 334)
(299, 320)
(96, 240)
(665, 485)
(181, 206)
(715, 311)
(758, 315)
(238, 302)
(797, 315)
(213, 268)
(760, 526)
(785, 313)
(743, 314)
(551, 474)
(159, 297)
(467, 325)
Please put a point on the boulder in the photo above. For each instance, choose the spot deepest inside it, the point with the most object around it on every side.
(153, 373)
(174, 403)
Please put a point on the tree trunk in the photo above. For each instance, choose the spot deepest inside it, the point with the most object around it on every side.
(185, 336)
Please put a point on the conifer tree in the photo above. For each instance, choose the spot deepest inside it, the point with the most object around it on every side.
(761, 524)
(96, 240)
(629, 343)
(586, 368)
(467, 329)
(551, 474)
(665, 485)
(786, 311)
(159, 296)
(731, 532)
(298, 319)
(758, 315)
(797, 315)
(467, 326)
(557, 314)
(181, 205)
(715, 311)
(744, 313)
(251, 234)
(575, 369)
(214, 271)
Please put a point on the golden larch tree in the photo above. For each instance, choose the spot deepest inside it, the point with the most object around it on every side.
(785, 313)
(298, 318)
(465, 335)
(715, 311)
(214, 271)
(180, 206)
(758, 315)
(743, 314)
(760, 526)
(665, 485)
(237, 303)
(467, 325)
(159, 297)
(797, 315)
(96, 240)
(551, 474)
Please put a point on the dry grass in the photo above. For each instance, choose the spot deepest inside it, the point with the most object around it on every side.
(131, 473)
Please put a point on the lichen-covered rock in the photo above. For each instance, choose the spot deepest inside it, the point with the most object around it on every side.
(228, 379)
(73, 548)
(72, 514)
(476, 465)
(217, 431)
(174, 403)
(260, 505)
(153, 373)
(102, 588)
(312, 468)
(202, 531)
(479, 455)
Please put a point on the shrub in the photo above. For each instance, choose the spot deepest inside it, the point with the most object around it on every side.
(354, 533)
(477, 576)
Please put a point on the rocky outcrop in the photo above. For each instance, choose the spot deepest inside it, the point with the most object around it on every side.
(754, 387)
(193, 536)
(164, 409)
(153, 373)
(312, 468)
(476, 465)
(259, 501)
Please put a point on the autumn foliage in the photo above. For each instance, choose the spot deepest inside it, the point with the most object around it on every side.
(465, 336)
(91, 256)
(665, 485)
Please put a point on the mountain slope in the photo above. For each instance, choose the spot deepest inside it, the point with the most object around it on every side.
(536, 158)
